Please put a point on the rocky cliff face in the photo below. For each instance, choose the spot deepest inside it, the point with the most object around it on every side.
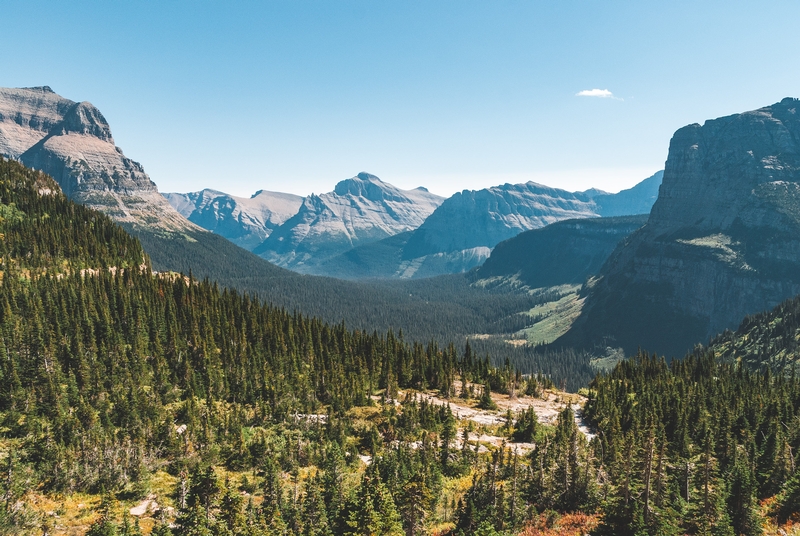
(246, 222)
(722, 240)
(360, 210)
(72, 142)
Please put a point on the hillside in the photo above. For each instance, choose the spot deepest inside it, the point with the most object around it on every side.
(721, 241)
(141, 403)
(768, 339)
(136, 402)
(566, 252)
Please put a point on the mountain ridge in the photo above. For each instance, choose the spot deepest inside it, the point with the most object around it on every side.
(359, 210)
(72, 142)
(244, 221)
(462, 232)
(721, 241)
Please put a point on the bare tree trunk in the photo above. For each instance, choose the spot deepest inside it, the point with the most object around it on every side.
(648, 466)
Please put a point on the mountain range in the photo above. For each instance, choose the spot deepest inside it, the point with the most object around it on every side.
(720, 242)
(367, 228)
(73, 142)
(360, 210)
(245, 221)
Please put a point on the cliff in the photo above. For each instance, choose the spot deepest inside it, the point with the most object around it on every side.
(72, 142)
(722, 240)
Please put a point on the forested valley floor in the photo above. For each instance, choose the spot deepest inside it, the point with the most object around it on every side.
(134, 402)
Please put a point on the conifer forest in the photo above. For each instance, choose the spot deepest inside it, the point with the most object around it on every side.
(142, 402)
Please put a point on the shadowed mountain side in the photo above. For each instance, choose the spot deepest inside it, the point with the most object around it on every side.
(379, 259)
(446, 308)
(722, 240)
(561, 253)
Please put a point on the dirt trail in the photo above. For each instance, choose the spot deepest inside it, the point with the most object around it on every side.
(547, 409)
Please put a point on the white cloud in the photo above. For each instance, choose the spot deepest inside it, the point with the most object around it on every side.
(602, 93)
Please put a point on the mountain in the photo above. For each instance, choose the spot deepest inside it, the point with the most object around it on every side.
(360, 210)
(565, 252)
(482, 218)
(244, 221)
(722, 240)
(72, 142)
(462, 232)
(636, 200)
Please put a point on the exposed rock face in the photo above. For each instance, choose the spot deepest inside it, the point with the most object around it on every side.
(246, 222)
(360, 210)
(72, 142)
(722, 240)
(461, 233)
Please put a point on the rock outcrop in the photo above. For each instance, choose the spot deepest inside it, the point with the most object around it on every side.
(246, 222)
(722, 240)
(360, 210)
(72, 142)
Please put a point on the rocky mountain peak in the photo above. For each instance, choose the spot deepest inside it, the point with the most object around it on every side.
(365, 185)
(725, 170)
(84, 118)
(360, 210)
(71, 141)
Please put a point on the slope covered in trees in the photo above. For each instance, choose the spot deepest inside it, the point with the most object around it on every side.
(119, 383)
(691, 447)
(769, 339)
(445, 309)
(110, 373)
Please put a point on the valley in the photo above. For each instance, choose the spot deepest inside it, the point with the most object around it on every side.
(157, 378)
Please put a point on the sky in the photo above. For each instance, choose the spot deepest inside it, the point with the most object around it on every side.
(297, 95)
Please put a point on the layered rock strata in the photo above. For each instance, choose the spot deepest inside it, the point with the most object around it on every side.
(722, 240)
(72, 142)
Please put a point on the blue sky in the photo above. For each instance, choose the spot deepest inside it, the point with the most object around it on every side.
(297, 95)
